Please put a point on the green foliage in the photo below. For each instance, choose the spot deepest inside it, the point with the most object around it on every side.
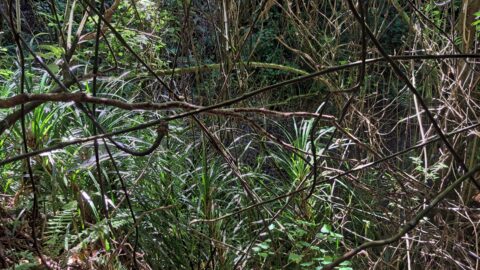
(476, 23)
(245, 203)
(432, 173)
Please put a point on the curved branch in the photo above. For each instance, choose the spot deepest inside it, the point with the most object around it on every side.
(162, 130)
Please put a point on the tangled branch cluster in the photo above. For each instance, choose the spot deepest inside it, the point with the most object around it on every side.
(367, 121)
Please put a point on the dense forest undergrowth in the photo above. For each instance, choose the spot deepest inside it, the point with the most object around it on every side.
(250, 134)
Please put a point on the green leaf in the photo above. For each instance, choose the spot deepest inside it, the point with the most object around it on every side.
(305, 244)
(53, 67)
(107, 245)
(263, 254)
(263, 245)
(295, 258)
(336, 235)
(307, 264)
(326, 228)
(91, 204)
(327, 260)
(300, 232)
(6, 73)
